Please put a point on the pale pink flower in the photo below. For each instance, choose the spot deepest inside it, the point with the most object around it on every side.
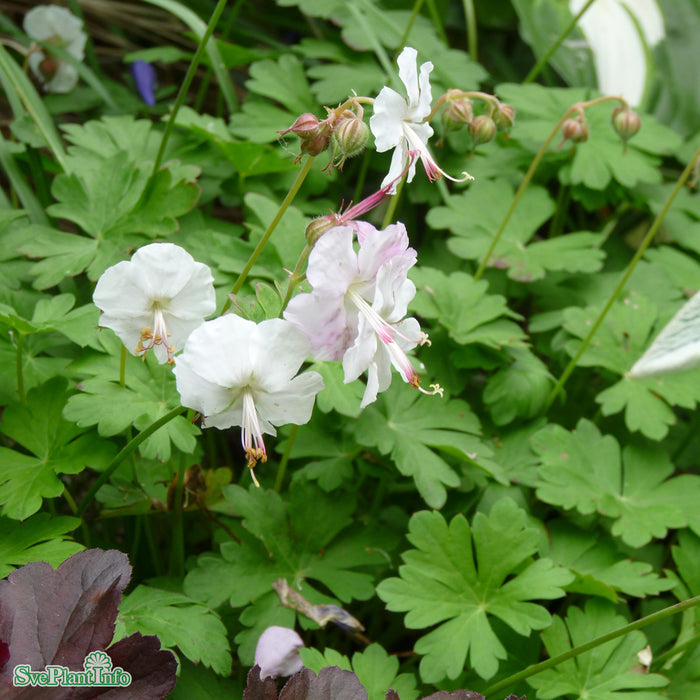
(356, 309)
(277, 652)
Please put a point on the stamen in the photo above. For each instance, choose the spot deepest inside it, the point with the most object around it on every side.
(157, 336)
(251, 435)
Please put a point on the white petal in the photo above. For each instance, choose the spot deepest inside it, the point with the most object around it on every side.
(398, 163)
(409, 75)
(277, 349)
(324, 321)
(424, 106)
(381, 247)
(648, 14)
(361, 354)
(219, 349)
(277, 652)
(46, 21)
(618, 49)
(333, 262)
(677, 346)
(198, 393)
(294, 403)
(386, 122)
(64, 80)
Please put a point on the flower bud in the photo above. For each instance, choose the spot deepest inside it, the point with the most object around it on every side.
(575, 130)
(504, 116)
(625, 122)
(277, 652)
(457, 114)
(482, 129)
(317, 228)
(315, 145)
(305, 127)
(48, 67)
(349, 139)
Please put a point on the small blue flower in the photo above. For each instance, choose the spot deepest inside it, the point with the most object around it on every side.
(145, 78)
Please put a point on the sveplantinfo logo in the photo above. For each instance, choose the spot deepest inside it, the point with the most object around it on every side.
(97, 672)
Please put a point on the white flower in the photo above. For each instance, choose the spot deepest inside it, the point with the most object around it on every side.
(277, 652)
(618, 33)
(359, 299)
(156, 299)
(236, 372)
(58, 26)
(399, 124)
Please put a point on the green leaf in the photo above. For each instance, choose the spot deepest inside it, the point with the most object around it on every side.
(376, 670)
(336, 82)
(178, 621)
(608, 671)
(149, 394)
(283, 81)
(336, 395)
(462, 305)
(411, 428)
(39, 538)
(686, 554)
(55, 447)
(598, 565)
(460, 576)
(519, 390)
(583, 469)
(288, 540)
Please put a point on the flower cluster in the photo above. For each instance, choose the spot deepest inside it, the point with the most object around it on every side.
(231, 370)
(355, 312)
(59, 27)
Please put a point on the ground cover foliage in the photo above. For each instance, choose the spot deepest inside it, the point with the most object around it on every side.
(434, 545)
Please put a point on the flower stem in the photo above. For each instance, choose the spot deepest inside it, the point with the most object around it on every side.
(122, 367)
(296, 277)
(393, 203)
(417, 5)
(281, 470)
(623, 281)
(20, 373)
(545, 59)
(578, 107)
(177, 554)
(182, 93)
(575, 651)
(124, 453)
(271, 227)
(470, 19)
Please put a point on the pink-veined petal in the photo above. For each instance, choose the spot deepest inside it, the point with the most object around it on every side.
(333, 262)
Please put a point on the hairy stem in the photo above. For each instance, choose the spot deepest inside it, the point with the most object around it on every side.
(620, 632)
(578, 107)
(271, 227)
(470, 19)
(281, 470)
(182, 93)
(124, 453)
(545, 59)
(623, 281)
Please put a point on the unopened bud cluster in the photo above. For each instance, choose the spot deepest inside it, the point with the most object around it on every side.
(346, 134)
(625, 121)
(459, 112)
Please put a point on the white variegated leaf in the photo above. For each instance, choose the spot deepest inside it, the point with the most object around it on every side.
(676, 347)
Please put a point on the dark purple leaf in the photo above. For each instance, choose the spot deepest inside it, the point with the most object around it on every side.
(332, 683)
(58, 617)
(4, 654)
(145, 78)
(256, 689)
(455, 695)
(391, 694)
